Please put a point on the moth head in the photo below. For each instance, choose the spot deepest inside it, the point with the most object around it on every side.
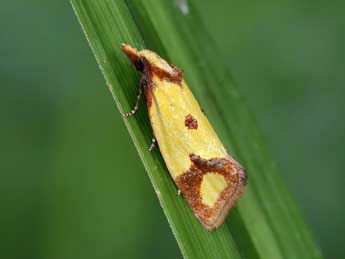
(148, 58)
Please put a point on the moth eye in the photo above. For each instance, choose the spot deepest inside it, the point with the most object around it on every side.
(140, 64)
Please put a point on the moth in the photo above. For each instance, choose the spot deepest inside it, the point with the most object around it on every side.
(208, 177)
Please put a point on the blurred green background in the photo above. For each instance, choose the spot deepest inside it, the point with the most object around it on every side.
(72, 185)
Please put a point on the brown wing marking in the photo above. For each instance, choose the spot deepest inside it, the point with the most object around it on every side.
(190, 122)
(190, 182)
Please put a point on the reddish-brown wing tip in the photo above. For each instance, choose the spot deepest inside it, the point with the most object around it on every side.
(231, 201)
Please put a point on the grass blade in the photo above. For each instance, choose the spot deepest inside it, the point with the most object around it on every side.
(105, 40)
(266, 223)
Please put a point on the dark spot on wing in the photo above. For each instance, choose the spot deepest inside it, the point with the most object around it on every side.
(190, 122)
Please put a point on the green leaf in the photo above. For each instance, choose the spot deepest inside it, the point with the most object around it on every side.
(266, 222)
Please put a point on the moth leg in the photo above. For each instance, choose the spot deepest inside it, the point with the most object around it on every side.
(153, 144)
(139, 94)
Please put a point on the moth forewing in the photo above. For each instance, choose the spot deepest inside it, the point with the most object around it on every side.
(209, 179)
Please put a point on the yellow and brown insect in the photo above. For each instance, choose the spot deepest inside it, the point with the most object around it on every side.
(209, 178)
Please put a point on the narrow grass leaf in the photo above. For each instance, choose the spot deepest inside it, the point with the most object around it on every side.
(266, 223)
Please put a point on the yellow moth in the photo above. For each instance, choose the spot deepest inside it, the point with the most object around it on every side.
(209, 179)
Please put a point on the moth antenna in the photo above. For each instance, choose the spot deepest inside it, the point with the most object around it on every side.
(139, 94)
(153, 144)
